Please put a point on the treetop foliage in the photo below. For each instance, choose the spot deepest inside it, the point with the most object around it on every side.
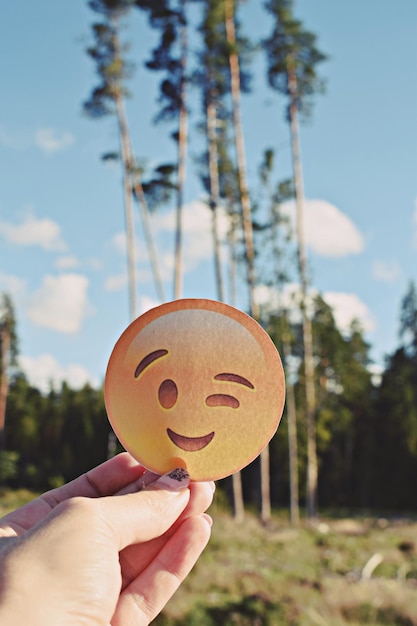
(408, 322)
(292, 50)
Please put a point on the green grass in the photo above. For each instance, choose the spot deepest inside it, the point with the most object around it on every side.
(311, 576)
(12, 499)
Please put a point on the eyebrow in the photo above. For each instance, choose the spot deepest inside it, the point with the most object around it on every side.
(148, 359)
(234, 378)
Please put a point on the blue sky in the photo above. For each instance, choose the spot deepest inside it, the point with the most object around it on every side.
(61, 210)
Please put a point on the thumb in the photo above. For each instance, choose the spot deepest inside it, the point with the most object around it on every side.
(139, 517)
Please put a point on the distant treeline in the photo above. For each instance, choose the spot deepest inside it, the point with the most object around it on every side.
(366, 428)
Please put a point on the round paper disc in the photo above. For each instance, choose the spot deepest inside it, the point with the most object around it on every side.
(195, 383)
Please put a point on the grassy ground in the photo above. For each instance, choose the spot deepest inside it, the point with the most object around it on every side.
(11, 500)
(317, 575)
(335, 572)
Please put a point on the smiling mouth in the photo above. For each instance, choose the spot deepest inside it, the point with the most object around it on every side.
(189, 444)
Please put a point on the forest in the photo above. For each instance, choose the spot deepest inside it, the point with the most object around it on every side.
(348, 437)
(366, 430)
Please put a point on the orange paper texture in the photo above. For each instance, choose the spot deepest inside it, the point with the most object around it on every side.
(197, 384)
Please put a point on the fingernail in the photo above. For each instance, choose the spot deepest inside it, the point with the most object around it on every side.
(212, 485)
(175, 480)
(148, 478)
(208, 519)
(145, 480)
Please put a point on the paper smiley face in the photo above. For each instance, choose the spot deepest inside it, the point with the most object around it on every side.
(197, 384)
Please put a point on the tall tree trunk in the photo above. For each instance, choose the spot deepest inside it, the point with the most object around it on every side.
(153, 258)
(312, 466)
(128, 203)
(246, 219)
(211, 118)
(240, 155)
(238, 504)
(132, 181)
(290, 396)
(4, 381)
(231, 240)
(182, 156)
(292, 442)
(265, 486)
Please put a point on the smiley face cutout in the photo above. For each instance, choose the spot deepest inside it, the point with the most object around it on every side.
(194, 383)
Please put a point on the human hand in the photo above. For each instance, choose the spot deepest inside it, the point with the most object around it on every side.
(98, 552)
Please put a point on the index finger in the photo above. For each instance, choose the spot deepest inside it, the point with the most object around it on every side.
(104, 480)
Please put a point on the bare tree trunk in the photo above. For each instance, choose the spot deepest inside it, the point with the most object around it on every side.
(246, 220)
(265, 486)
(292, 443)
(241, 156)
(214, 192)
(231, 238)
(238, 502)
(290, 396)
(312, 466)
(4, 384)
(182, 156)
(128, 203)
(153, 258)
(132, 184)
(246, 215)
(111, 445)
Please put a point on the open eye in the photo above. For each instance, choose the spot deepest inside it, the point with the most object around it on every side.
(167, 394)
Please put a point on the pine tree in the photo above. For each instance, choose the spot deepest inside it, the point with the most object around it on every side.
(8, 356)
(396, 417)
(109, 98)
(234, 42)
(278, 239)
(213, 79)
(292, 57)
(408, 321)
(171, 57)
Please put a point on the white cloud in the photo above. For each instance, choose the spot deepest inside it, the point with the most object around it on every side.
(60, 303)
(67, 262)
(50, 140)
(386, 271)
(119, 242)
(146, 303)
(13, 285)
(272, 299)
(166, 265)
(328, 231)
(348, 307)
(34, 231)
(44, 371)
(197, 242)
(117, 282)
